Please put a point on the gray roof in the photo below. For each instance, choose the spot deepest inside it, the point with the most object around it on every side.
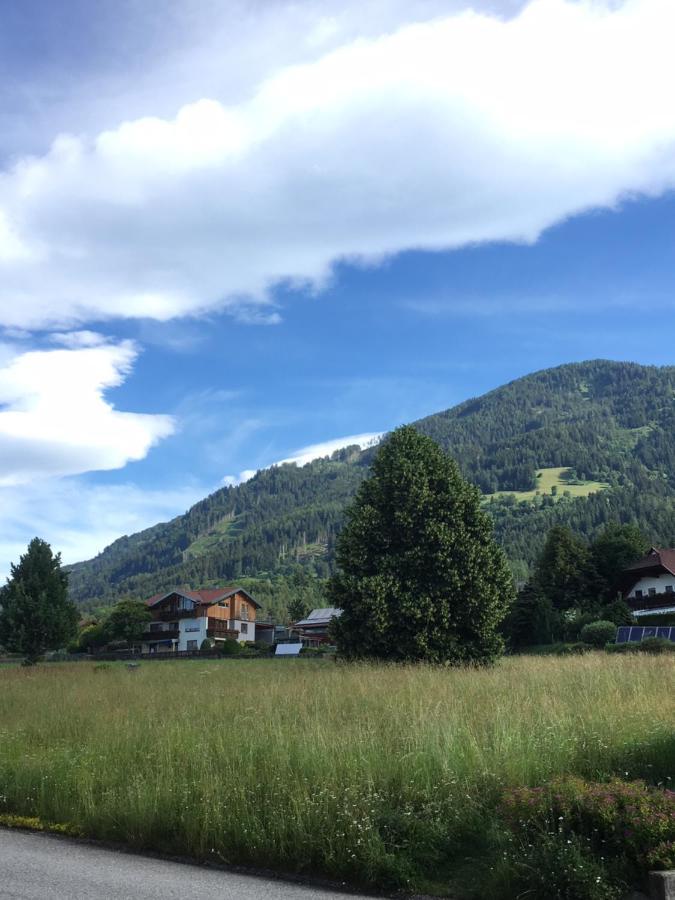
(320, 616)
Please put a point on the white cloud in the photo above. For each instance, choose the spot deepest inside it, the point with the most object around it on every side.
(463, 129)
(78, 338)
(78, 519)
(316, 451)
(55, 420)
(311, 452)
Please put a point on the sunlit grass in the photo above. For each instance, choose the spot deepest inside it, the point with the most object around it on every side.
(379, 774)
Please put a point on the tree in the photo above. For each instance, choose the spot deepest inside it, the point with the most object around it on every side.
(36, 613)
(562, 570)
(419, 574)
(127, 621)
(616, 547)
(597, 634)
(532, 620)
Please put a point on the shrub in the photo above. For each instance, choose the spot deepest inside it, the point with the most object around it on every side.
(206, 644)
(229, 647)
(656, 645)
(628, 824)
(649, 645)
(597, 634)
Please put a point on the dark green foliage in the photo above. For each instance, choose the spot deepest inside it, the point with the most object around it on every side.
(36, 614)
(614, 549)
(606, 421)
(127, 621)
(228, 647)
(420, 576)
(531, 620)
(561, 573)
(597, 634)
(91, 638)
(206, 644)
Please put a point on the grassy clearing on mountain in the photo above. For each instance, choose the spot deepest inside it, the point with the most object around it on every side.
(378, 775)
(556, 481)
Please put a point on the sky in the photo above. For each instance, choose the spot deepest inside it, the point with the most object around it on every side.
(236, 234)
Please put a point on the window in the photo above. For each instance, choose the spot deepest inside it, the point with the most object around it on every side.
(243, 613)
(192, 645)
(652, 592)
(244, 628)
(638, 594)
(669, 589)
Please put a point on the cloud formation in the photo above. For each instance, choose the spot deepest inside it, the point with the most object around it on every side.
(311, 452)
(80, 519)
(55, 419)
(464, 129)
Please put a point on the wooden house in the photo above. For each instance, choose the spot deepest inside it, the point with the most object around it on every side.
(312, 631)
(648, 585)
(183, 619)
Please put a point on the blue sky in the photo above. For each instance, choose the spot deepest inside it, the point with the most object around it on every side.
(228, 236)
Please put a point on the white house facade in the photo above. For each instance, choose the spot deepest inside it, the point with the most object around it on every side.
(649, 583)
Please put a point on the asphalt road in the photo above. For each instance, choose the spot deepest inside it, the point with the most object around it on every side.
(43, 867)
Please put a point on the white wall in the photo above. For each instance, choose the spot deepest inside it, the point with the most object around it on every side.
(658, 582)
(250, 634)
(191, 630)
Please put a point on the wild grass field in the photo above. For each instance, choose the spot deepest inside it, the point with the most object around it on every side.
(386, 776)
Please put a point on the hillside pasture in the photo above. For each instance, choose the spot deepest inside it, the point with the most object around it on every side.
(557, 477)
(378, 775)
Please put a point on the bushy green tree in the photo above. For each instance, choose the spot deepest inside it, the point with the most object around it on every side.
(597, 634)
(532, 620)
(127, 621)
(36, 614)
(616, 547)
(562, 570)
(420, 576)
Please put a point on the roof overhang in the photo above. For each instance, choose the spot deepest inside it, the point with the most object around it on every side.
(171, 594)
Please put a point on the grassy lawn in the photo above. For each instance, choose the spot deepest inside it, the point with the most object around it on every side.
(547, 479)
(377, 775)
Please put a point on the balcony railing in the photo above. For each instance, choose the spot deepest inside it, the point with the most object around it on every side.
(220, 626)
(168, 634)
(165, 615)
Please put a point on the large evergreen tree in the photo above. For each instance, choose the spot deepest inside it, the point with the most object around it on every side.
(562, 570)
(36, 614)
(420, 576)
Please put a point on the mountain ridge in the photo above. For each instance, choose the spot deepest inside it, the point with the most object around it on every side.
(598, 422)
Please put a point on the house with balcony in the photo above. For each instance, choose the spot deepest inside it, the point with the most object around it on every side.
(183, 619)
(648, 585)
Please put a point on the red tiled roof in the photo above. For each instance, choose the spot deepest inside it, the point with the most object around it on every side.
(204, 597)
(654, 559)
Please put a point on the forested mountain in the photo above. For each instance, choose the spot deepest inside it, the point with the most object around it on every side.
(610, 428)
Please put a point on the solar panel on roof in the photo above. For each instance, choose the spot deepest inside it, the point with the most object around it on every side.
(623, 634)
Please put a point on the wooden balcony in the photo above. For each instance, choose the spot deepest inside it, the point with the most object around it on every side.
(220, 628)
(166, 635)
(166, 615)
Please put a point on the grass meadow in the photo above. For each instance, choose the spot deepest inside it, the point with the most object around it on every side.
(378, 775)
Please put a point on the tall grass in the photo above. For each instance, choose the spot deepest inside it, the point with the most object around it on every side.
(378, 774)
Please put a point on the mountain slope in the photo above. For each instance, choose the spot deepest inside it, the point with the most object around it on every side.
(605, 422)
